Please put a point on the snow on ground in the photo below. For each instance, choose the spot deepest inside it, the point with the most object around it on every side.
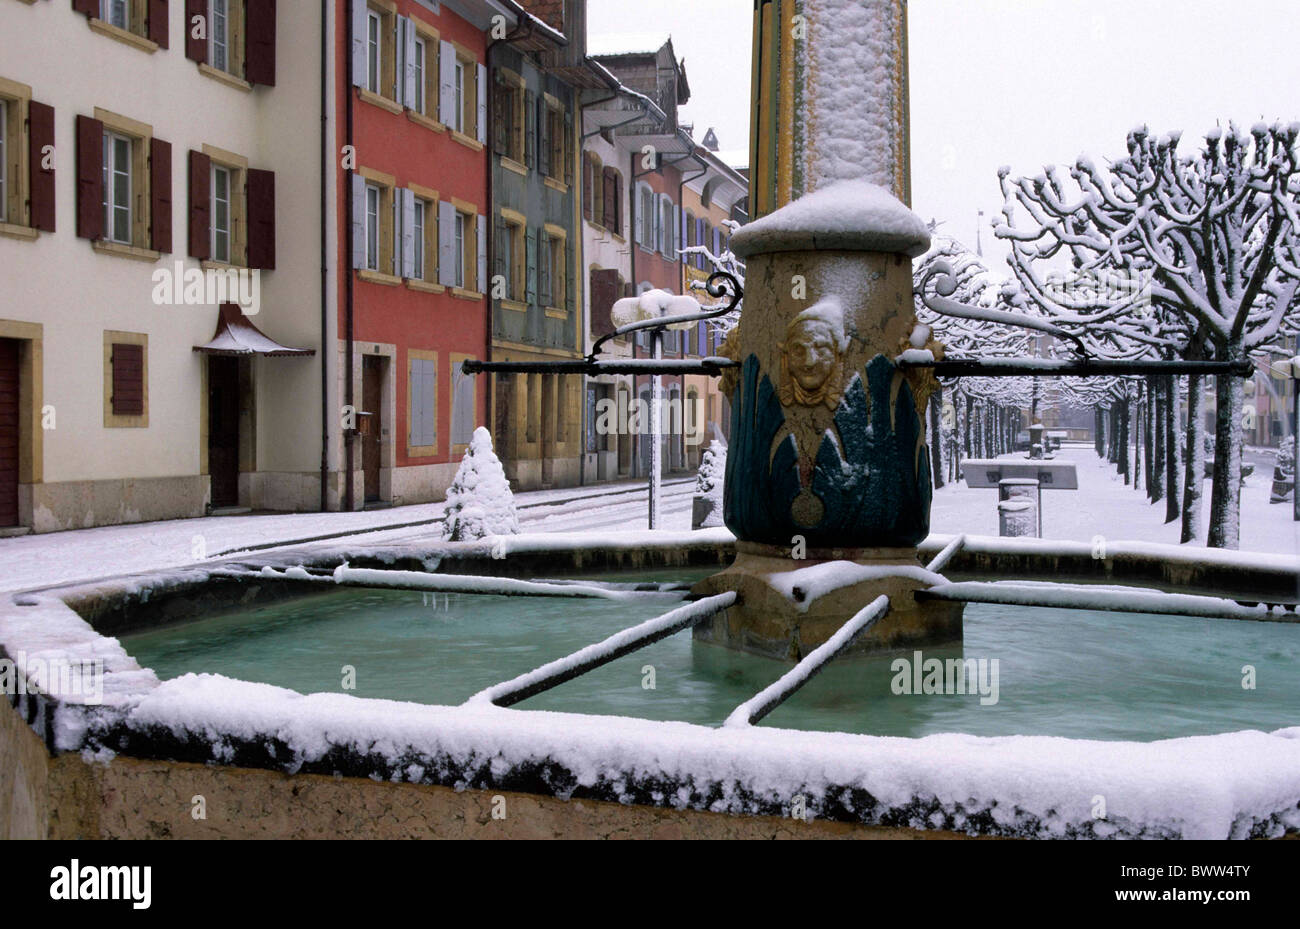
(1104, 506)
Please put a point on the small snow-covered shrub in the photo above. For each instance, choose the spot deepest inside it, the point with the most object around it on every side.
(479, 501)
(1286, 457)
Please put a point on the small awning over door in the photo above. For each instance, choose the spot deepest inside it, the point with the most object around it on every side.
(236, 335)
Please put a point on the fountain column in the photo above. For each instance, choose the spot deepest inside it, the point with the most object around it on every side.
(828, 477)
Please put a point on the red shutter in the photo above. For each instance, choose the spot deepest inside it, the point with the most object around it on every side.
(259, 28)
(88, 7)
(196, 49)
(200, 205)
(588, 188)
(40, 133)
(160, 195)
(90, 178)
(261, 219)
(128, 379)
(604, 291)
(158, 22)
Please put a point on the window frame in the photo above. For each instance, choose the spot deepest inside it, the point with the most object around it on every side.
(374, 225)
(375, 51)
(4, 159)
(111, 172)
(225, 43)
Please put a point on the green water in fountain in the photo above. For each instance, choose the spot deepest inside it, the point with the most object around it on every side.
(1060, 672)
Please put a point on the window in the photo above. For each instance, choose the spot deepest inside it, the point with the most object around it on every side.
(116, 13)
(559, 277)
(458, 98)
(420, 103)
(126, 379)
(117, 188)
(418, 247)
(422, 404)
(612, 200)
(219, 27)
(374, 49)
(513, 259)
(510, 116)
(373, 199)
(221, 213)
(458, 251)
(4, 161)
(555, 139)
(645, 216)
(667, 228)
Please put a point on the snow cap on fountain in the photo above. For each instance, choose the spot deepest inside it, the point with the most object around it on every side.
(654, 304)
(852, 215)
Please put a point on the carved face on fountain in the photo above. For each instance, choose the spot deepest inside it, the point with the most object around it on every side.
(812, 357)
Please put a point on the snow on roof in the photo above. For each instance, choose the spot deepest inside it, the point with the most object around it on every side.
(854, 214)
(733, 157)
(626, 43)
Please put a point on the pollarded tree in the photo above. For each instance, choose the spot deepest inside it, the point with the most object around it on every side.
(1216, 235)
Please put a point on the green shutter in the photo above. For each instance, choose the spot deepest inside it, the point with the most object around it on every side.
(530, 128)
(570, 279)
(530, 253)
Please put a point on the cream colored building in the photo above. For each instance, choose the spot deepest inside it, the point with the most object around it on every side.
(112, 397)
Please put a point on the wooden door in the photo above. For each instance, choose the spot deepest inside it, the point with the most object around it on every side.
(223, 429)
(8, 432)
(372, 392)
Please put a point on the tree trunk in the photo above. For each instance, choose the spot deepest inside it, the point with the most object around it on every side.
(936, 439)
(1124, 418)
(1173, 447)
(1156, 448)
(1099, 430)
(966, 426)
(1194, 475)
(1225, 492)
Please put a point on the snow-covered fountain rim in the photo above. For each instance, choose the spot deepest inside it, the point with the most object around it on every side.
(1229, 785)
(852, 215)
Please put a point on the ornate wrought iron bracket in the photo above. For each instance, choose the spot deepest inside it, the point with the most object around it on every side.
(719, 284)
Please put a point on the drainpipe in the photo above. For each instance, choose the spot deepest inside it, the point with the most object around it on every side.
(681, 268)
(325, 174)
(349, 497)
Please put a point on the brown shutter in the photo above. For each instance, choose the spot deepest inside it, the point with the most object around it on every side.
(588, 188)
(200, 205)
(261, 219)
(40, 133)
(128, 379)
(158, 22)
(90, 178)
(618, 205)
(88, 7)
(196, 49)
(160, 195)
(611, 200)
(604, 291)
(259, 61)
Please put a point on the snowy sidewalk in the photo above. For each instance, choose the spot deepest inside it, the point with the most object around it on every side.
(1104, 506)
(89, 554)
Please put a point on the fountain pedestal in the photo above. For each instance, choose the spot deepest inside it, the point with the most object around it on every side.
(789, 606)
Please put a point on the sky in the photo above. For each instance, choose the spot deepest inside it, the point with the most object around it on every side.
(1022, 83)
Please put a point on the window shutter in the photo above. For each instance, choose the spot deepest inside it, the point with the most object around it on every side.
(543, 138)
(160, 195)
(530, 256)
(480, 86)
(406, 43)
(503, 111)
(446, 243)
(86, 7)
(717, 241)
(480, 236)
(569, 280)
(568, 148)
(200, 205)
(358, 221)
(499, 268)
(261, 219)
(618, 203)
(638, 220)
(604, 291)
(408, 232)
(588, 190)
(544, 269)
(196, 49)
(40, 133)
(530, 128)
(610, 198)
(128, 379)
(679, 231)
(259, 60)
(700, 260)
(360, 29)
(446, 82)
(90, 178)
(462, 407)
(157, 15)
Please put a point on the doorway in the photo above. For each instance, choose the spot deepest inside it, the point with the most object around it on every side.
(9, 432)
(223, 429)
(373, 368)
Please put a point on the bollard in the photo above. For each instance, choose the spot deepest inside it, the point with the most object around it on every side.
(1019, 508)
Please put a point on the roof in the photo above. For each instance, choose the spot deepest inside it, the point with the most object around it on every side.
(236, 335)
(626, 43)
